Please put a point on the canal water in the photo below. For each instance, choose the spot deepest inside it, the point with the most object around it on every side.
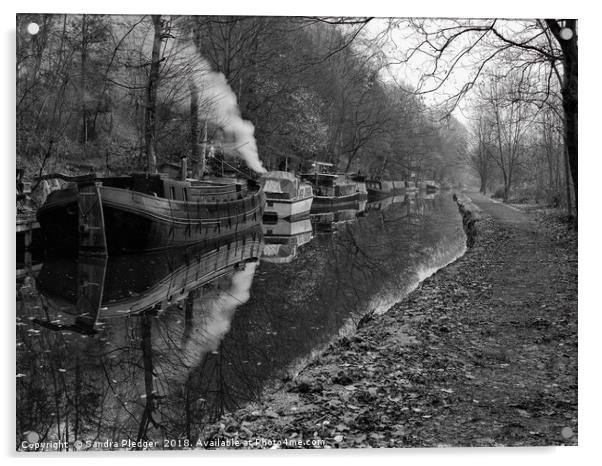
(154, 347)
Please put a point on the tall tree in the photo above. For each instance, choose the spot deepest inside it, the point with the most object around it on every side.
(565, 33)
(150, 118)
(509, 118)
(479, 157)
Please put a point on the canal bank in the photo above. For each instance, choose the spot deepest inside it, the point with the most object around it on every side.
(482, 353)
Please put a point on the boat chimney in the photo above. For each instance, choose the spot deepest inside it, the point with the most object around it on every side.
(184, 165)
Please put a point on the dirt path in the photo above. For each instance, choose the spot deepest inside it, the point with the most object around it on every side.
(483, 353)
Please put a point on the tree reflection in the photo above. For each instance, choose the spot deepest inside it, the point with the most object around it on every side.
(100, 378)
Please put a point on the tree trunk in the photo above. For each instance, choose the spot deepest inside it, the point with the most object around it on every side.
(569, 93)
(84, 115)
(569, 104)
(151, 98)
(506, 186)
(195, 147)
(483, 185)
(569, 204)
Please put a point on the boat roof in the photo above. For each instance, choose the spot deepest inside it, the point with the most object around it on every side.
(279, 175)
(280, 182)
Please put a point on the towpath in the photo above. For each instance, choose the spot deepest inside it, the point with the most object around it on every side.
(483, 353)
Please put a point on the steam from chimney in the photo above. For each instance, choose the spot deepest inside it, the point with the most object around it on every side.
(214, 89)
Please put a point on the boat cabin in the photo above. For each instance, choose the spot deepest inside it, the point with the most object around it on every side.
(172, 170)
(284, 185)
(162, 186)
(327, 183)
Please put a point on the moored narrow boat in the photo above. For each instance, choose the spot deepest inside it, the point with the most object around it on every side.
(331, 191)
(382, 188)
(143, 212)
(287, 197)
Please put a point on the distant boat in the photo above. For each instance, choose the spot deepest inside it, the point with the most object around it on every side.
(287, 197)
(331, 191)
(383, 188)
(145, 212)
(360, 184)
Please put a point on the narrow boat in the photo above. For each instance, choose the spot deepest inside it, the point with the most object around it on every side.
(360, 184)
(287, 197)
(331, 191)
(145, 212)
(382, 188)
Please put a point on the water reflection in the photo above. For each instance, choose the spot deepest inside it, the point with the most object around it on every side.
(106, 347)
(169, 342)
(329, 220)
(387, 202)
(283, 239)
(92, 287)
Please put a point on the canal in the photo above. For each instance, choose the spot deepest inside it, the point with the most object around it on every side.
(155, 346)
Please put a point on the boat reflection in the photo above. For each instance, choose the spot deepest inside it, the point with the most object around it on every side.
(386, 202)
(117, 286)
(328, 221)
(413, 202)
(283, 239)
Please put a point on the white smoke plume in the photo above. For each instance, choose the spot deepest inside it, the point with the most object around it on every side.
(213, 312)
(215, 92)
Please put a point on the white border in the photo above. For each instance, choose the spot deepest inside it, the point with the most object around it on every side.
(590, 155)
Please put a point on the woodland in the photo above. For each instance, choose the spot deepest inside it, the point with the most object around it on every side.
(115, 94)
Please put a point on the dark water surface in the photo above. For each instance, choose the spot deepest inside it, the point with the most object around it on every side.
(154, 346)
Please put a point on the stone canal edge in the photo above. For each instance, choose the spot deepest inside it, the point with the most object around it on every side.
(482, 353)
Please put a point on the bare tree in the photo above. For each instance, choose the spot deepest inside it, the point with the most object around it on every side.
(506, 117)
(549, 46)
(479, 157)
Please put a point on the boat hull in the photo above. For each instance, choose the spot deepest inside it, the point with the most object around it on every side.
(328, 203)
(135, 222)
(286, 209)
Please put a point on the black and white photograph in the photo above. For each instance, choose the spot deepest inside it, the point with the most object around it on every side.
(273, 232)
